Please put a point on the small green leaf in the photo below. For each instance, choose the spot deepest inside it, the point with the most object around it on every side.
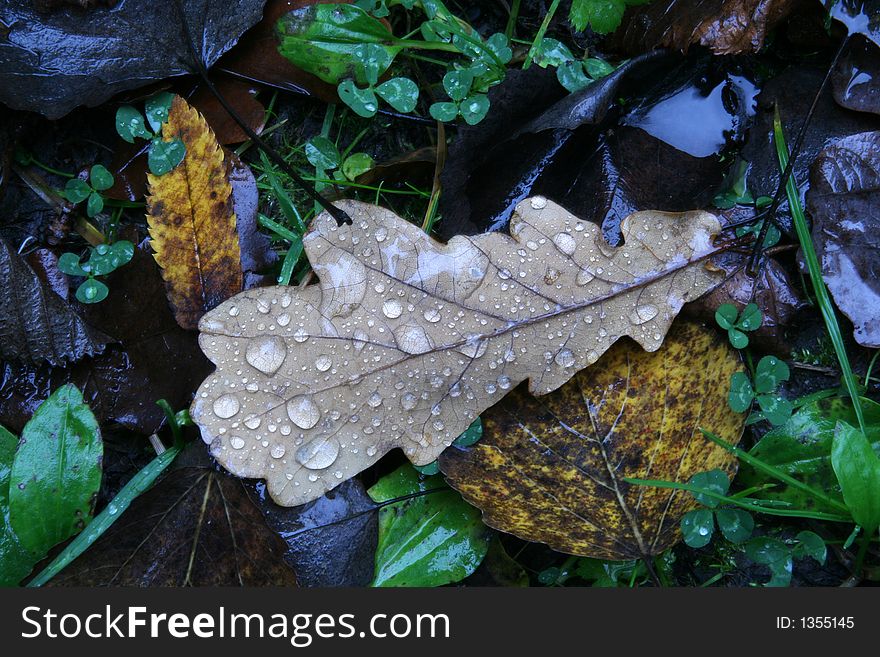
(603, 16)
(777, 410)
(92, 291)
(100, 178)
(857, 467)
(401, 93)
(474, 109)
(107, 258)
(431, 540)
(444, 112)
(775, 554)
(76, 190)
(597, 68)
(165, 155)
(571, 76)
(362, 101)
(810, 544)
(552, 52)
(157, 109)
(458, 84)
(715, 481)
(322, 153)
(356, 165)
(737, 525)
(69, 264)
(56, 473)
(738, 339)
(769, 374)
(751, 318)
(697, 528)
(95, 204)
(500, 47)
(741, 393)
(371, 61)
(130, 124)
(726, 316)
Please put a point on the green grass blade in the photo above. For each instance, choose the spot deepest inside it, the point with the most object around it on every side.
(821, 292)
(102, 522)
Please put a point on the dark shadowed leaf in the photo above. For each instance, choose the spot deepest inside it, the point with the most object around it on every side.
(51, 63)
(36, 325)
(843, 202)
(195, 527)
(551, 468)
(856, 80)
(329, 541)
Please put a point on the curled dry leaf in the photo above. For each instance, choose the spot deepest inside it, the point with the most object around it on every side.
(192, 223)
(551, 469)
(406, 340)
(843, 197)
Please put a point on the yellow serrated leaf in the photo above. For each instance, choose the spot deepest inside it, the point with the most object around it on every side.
(192, 224)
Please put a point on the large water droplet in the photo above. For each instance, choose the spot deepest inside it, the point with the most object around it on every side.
(392, 308)
(375, 400)
(412, 339)
(538, 202)
(323, 363)
(565, 243)
(474, 347)
(360, 339)
(300, 335)
(643, 313)
(432, 315)
(584, 277)
(381, 234)
(277, 451)
(303, 411)
(564, 358)
(283, 319)
(236, 443)
(226, 406)
(408, 401)
(266, 353)
(252, 421)
(319, 453)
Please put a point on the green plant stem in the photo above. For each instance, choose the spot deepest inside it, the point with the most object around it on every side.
(860, 556)
(822, 297)
(776, 473)
(102, 522)
(758, 508)
(511, 19)
(542, 30)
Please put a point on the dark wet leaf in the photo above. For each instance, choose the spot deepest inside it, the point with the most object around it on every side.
(843, 201)
(431, 540)
(151, 358)
(257, 254)
(324, 554)
(792, 91)
(727, 27)
(858, 16)
(195, 527)
(856, 80)
(51, 63)
(56, 472)
(36, 325)
(802, 448)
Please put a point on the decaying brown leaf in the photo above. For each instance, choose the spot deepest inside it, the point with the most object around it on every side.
(406, 340)
(192, 223)
(551, 469)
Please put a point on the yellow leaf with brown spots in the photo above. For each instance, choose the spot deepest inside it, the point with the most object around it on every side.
(551, 469)
(192, 224)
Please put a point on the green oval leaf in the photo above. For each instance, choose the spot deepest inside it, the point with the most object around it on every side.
(726, 316)
(697, 528)
(401, 93)
(100, 178)
(474, 109)
(458, 84)
(431, 540)
(736, 525)
(69, 264)
(741, 393)
(769, 374)
(76, 190)
(444, 112)
(858, 471)
(362, 101)
(56, 472)
(322, 153)
(165, 155)
(92, 291)
(157, 109)
(715, 481)
(130, 124)
(95, 204)
(356, 165)
(15, 562)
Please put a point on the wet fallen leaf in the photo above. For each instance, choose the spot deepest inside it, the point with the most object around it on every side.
(406, 340)
(257, 254)
(858, 16)
(551, 469)
(843, 201)
(256, 57)
(430, 540)
(36, 325)
(192, 221)
(856, 80)
(727, 27)
(51, 63)
(242, 97)
(195, 527)
(149, 358)
(330, 542)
